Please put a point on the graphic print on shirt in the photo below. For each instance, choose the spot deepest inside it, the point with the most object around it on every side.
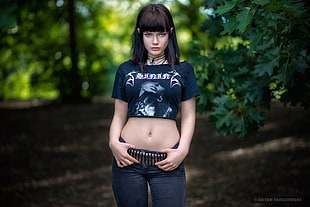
(151, 101)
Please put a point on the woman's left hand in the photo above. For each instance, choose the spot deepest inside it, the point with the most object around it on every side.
(174, 158)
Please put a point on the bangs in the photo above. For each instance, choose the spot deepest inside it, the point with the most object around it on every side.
(154, 18)
(154, 21)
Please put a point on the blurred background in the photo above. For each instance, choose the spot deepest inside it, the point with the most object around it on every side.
(246, 54)
(57, 64)
(70, 49)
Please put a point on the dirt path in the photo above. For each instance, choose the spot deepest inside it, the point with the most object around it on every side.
(58, 156)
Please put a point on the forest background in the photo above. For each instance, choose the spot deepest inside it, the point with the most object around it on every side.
(247, 53)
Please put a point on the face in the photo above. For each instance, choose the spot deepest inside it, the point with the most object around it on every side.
(155, 43)
(152, 87)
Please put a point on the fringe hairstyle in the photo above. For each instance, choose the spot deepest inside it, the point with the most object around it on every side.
(154, 18)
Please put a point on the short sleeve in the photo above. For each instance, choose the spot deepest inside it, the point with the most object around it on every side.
(190, 88)
(119, 91)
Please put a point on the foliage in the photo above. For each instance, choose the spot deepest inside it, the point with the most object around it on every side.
(270, 63)
(35, 57)
(36, 60)
(247, 53)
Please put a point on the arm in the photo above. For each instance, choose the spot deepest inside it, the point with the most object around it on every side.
(188, 110)
(176, 156)
(119, 149)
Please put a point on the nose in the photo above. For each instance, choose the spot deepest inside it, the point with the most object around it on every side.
(155, 40)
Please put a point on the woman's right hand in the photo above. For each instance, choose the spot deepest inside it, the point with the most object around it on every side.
(119, 151)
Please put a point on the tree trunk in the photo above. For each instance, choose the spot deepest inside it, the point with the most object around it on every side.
(73, 94)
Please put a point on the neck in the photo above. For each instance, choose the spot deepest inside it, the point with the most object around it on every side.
(158, 60)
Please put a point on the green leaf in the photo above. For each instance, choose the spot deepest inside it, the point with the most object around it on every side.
(261, 2)
(280, 77)
(256, 115)
(275, 6)
(266, 67)
(245, 18)
(257, 38)
(217, 113)
(272, 19)
(240, 127)
(273, 52)
(221, 100)
(240, 23)
(229, 5)
(223, 117)
(230, 26)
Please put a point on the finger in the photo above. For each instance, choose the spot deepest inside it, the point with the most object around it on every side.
(130, 160)
(120, 164)
(130, 145)
(166, 168)
(126, 163)
(163, 162)
(159, 164)
(133, 160)
(127, 160)
(123, 162)
(162, 165)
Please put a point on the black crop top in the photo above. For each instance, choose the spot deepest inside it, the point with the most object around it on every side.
(156, 92)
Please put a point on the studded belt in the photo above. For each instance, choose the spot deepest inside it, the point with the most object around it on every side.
(147, 157)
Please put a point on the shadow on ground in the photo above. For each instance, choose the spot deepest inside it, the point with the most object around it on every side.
(57, 155)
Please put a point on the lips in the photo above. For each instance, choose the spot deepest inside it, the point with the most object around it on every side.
(155, 48)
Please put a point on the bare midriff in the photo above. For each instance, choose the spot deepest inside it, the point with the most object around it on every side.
(151, 133)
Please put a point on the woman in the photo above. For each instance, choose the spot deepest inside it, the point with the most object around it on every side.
(148, 91)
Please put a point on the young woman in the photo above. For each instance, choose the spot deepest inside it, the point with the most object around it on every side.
(147, 146)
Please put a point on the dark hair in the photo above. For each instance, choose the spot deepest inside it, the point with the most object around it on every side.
(154, 18)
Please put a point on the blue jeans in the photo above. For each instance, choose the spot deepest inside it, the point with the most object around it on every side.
(130, 186)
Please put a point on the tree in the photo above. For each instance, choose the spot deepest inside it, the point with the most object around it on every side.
(37, 59)
(36, 48)
(265, 57)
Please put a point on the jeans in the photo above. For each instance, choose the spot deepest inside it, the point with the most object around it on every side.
(130, 186)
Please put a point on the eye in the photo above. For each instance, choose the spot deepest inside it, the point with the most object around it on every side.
(148, 34)
(163, 34)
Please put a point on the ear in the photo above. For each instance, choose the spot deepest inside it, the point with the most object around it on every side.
(171, 29)
(138, 29)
